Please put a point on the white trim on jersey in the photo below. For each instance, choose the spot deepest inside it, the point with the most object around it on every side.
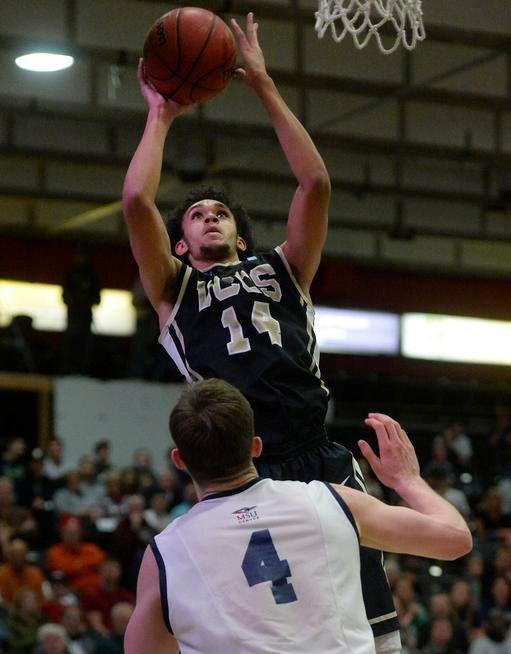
(175, 309)
(281, 254)
(168, 341)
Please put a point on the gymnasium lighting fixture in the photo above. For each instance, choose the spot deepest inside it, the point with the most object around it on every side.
(44, 62)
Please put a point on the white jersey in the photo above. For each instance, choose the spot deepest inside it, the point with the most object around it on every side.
(270, 567)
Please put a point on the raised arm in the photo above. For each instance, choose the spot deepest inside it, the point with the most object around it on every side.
(146, 630)
(308, 214)
(431, 527)
(149, 239)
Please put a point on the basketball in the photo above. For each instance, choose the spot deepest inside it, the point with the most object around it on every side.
(189, 55)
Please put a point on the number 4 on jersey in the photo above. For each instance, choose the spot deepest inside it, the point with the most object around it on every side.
(261, 563)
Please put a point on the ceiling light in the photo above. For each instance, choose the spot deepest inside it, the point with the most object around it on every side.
(44, 62)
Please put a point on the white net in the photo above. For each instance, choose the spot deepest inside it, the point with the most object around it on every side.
(399, 20)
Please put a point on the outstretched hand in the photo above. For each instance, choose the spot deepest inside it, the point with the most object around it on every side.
(397, 462)
(156, 100)
(253, 58)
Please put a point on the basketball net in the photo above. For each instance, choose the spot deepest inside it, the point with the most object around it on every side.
(364, 18)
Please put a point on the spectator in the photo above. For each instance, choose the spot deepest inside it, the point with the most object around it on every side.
(82, 639)
(97, 602)
(13, 461)
(463, 605)
(491, 519)
(102, 453)
(60, 596)
(441, 638)
(53, 639)
(144, 473)
(499, 599)
(411, 613)
(73, 499)
(78, 559)
(14, 520)
(16, 573)
(114, 644)
(493, 640)
(189, 499)
(24, 619)
(132, 536)
(441, 608)
(55, 464)
(113, 504)
(459, 444)
(440, 479)
(157, 515)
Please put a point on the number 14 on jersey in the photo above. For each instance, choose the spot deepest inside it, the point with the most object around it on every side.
(262, 320)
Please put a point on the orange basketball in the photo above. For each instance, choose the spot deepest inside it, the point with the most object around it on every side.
(189, 55)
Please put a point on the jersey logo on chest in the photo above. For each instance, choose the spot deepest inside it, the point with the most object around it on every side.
(258, 280)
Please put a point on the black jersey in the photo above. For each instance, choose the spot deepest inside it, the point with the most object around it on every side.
(250, 324)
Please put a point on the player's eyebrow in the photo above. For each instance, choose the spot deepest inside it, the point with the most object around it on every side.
(198, 205)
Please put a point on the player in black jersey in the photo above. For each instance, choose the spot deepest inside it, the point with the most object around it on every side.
(247, 318)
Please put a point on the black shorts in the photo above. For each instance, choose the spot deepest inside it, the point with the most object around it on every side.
(334, 463)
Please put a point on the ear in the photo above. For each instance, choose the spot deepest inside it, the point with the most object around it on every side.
(240, 244)
(177, 460)
(257, 447)
(181, 247)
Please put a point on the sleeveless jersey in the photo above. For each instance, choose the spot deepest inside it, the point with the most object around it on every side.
(251, 325)
(270, 567)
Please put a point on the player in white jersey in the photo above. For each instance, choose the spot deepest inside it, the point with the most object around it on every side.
(263, 566)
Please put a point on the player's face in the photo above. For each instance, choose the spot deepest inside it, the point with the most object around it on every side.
(209, 232)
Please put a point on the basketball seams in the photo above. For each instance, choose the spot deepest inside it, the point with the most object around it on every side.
(185, 31)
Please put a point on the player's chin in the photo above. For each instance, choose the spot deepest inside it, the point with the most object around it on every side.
(215, 251)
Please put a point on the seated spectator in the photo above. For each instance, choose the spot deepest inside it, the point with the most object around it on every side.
(92, 488)
(410, 611)
(14, 460)
(459, 444)
(499, 600)
(440, 608)
(441, 638)
(189, 499)
(74, 499)
(59, 596)
(132, 536)
(78, 559)
(55, 464)
(157, 515)
(14, 520)
(101, 458)
(113, 504)
(439, 459)
(463, 604)
(53, 639)
(114, 643)
(24, 619)
(97, 602)
(144, 473)
(441, 480)
(490, 517)
(82, 639)
(17, 573)
(493, 639)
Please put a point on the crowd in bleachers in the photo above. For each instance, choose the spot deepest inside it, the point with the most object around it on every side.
(72, 536)
(73, 532)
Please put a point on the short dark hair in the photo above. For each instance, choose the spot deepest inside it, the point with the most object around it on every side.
(241, 217)
(213, 428)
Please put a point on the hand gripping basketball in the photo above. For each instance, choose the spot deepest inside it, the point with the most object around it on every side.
(189, 55)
